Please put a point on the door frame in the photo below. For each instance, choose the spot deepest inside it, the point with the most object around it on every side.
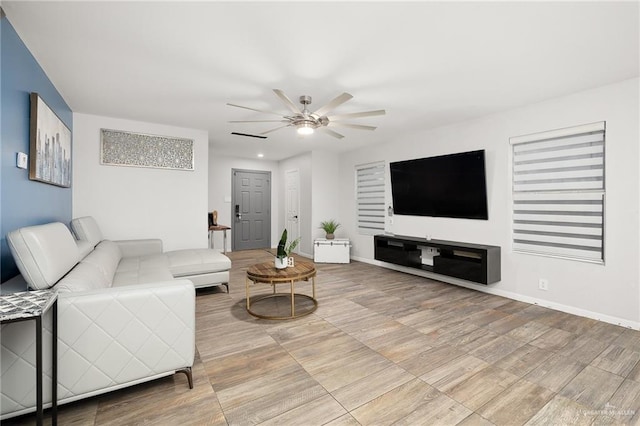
(233, 202)
(286, 195)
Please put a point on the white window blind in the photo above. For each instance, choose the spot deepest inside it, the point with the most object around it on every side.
(370, 197)
(559, 192)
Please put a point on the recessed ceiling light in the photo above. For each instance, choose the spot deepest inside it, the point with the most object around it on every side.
(260, 155)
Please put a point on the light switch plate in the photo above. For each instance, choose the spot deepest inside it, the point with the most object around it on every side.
(22, 160)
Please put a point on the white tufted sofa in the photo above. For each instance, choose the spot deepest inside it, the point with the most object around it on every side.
(126, 312)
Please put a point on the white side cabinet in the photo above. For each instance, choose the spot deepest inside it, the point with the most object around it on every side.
(331, 251)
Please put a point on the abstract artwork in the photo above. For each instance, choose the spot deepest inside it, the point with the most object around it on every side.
(50, 146)
(120, 148)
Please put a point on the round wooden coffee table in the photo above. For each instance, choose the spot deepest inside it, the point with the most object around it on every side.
(266, 273)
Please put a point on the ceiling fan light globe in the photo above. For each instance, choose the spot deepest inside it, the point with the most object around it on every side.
(305, 130)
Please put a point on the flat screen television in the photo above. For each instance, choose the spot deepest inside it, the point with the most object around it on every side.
(451, 185)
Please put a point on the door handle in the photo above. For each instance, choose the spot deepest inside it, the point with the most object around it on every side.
(238, 214)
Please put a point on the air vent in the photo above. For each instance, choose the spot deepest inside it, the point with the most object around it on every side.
(248, 135)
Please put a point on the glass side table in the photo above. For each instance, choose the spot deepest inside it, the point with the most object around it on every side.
(32, 305)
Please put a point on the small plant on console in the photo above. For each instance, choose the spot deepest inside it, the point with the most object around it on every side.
(329, 226)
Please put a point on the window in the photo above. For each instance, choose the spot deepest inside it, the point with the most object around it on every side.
(370, 197)
(559, 193)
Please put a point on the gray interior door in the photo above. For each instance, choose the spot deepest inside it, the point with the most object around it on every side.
(251, 206)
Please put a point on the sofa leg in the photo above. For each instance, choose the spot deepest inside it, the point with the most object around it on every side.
(187, 371)
(227, 286)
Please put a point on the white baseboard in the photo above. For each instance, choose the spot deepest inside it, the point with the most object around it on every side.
(308, 256)
(508, 294)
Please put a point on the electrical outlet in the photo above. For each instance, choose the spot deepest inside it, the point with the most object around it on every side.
(543, 284)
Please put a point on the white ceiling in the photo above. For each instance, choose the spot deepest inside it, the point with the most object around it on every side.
(427, 63)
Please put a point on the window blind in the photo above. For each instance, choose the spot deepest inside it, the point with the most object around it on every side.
(370, 197)
(559, 192)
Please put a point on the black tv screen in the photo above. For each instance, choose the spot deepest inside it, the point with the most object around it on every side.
(451, 185)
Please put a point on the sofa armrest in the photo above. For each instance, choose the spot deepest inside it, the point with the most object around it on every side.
(124, 334)
(132, 248)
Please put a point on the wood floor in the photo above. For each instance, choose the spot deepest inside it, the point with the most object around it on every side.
(386, 348)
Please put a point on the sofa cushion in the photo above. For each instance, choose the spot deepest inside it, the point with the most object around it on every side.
(184, 263)
(43, 253)
(94, 271)
(86, 229)
(84, 248)
(85, 276)
(141, 270)
(106, 258)
(140, 247)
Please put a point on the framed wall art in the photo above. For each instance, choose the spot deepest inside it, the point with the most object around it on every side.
(50, 146)
(120, 148)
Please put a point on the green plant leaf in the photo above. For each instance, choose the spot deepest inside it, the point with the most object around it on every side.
(292, 246)
(282, 244)
(329, 226)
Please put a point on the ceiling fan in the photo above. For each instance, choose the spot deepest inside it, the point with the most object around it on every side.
(306, 121)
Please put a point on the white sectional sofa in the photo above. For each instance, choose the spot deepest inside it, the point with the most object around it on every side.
(126, 312)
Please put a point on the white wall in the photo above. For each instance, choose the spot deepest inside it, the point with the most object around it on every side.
(302, 163)
(610, 292)
(133, 202)
(325, 181)
(220, 192)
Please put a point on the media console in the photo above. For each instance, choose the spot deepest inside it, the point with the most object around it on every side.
(472, 262)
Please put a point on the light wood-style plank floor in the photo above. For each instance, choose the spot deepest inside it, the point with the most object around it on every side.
(385, 348)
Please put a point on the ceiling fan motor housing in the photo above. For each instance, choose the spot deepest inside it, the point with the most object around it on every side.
(305, 99)
(306, 118)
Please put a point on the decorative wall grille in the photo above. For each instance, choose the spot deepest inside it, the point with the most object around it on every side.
(559, 192)
(370, 197)
(120, 148)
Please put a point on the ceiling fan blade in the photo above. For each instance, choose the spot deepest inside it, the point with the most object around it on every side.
(273, 130)
(339, 100)
(254, 109)
(287, 101)
(352, 126)
(357, 115)
(258, 121)
(331, 132)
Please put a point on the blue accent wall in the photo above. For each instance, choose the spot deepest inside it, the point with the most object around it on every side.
(24, 202)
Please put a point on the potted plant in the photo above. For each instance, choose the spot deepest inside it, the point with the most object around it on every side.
(329, 227)
(284, 250)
